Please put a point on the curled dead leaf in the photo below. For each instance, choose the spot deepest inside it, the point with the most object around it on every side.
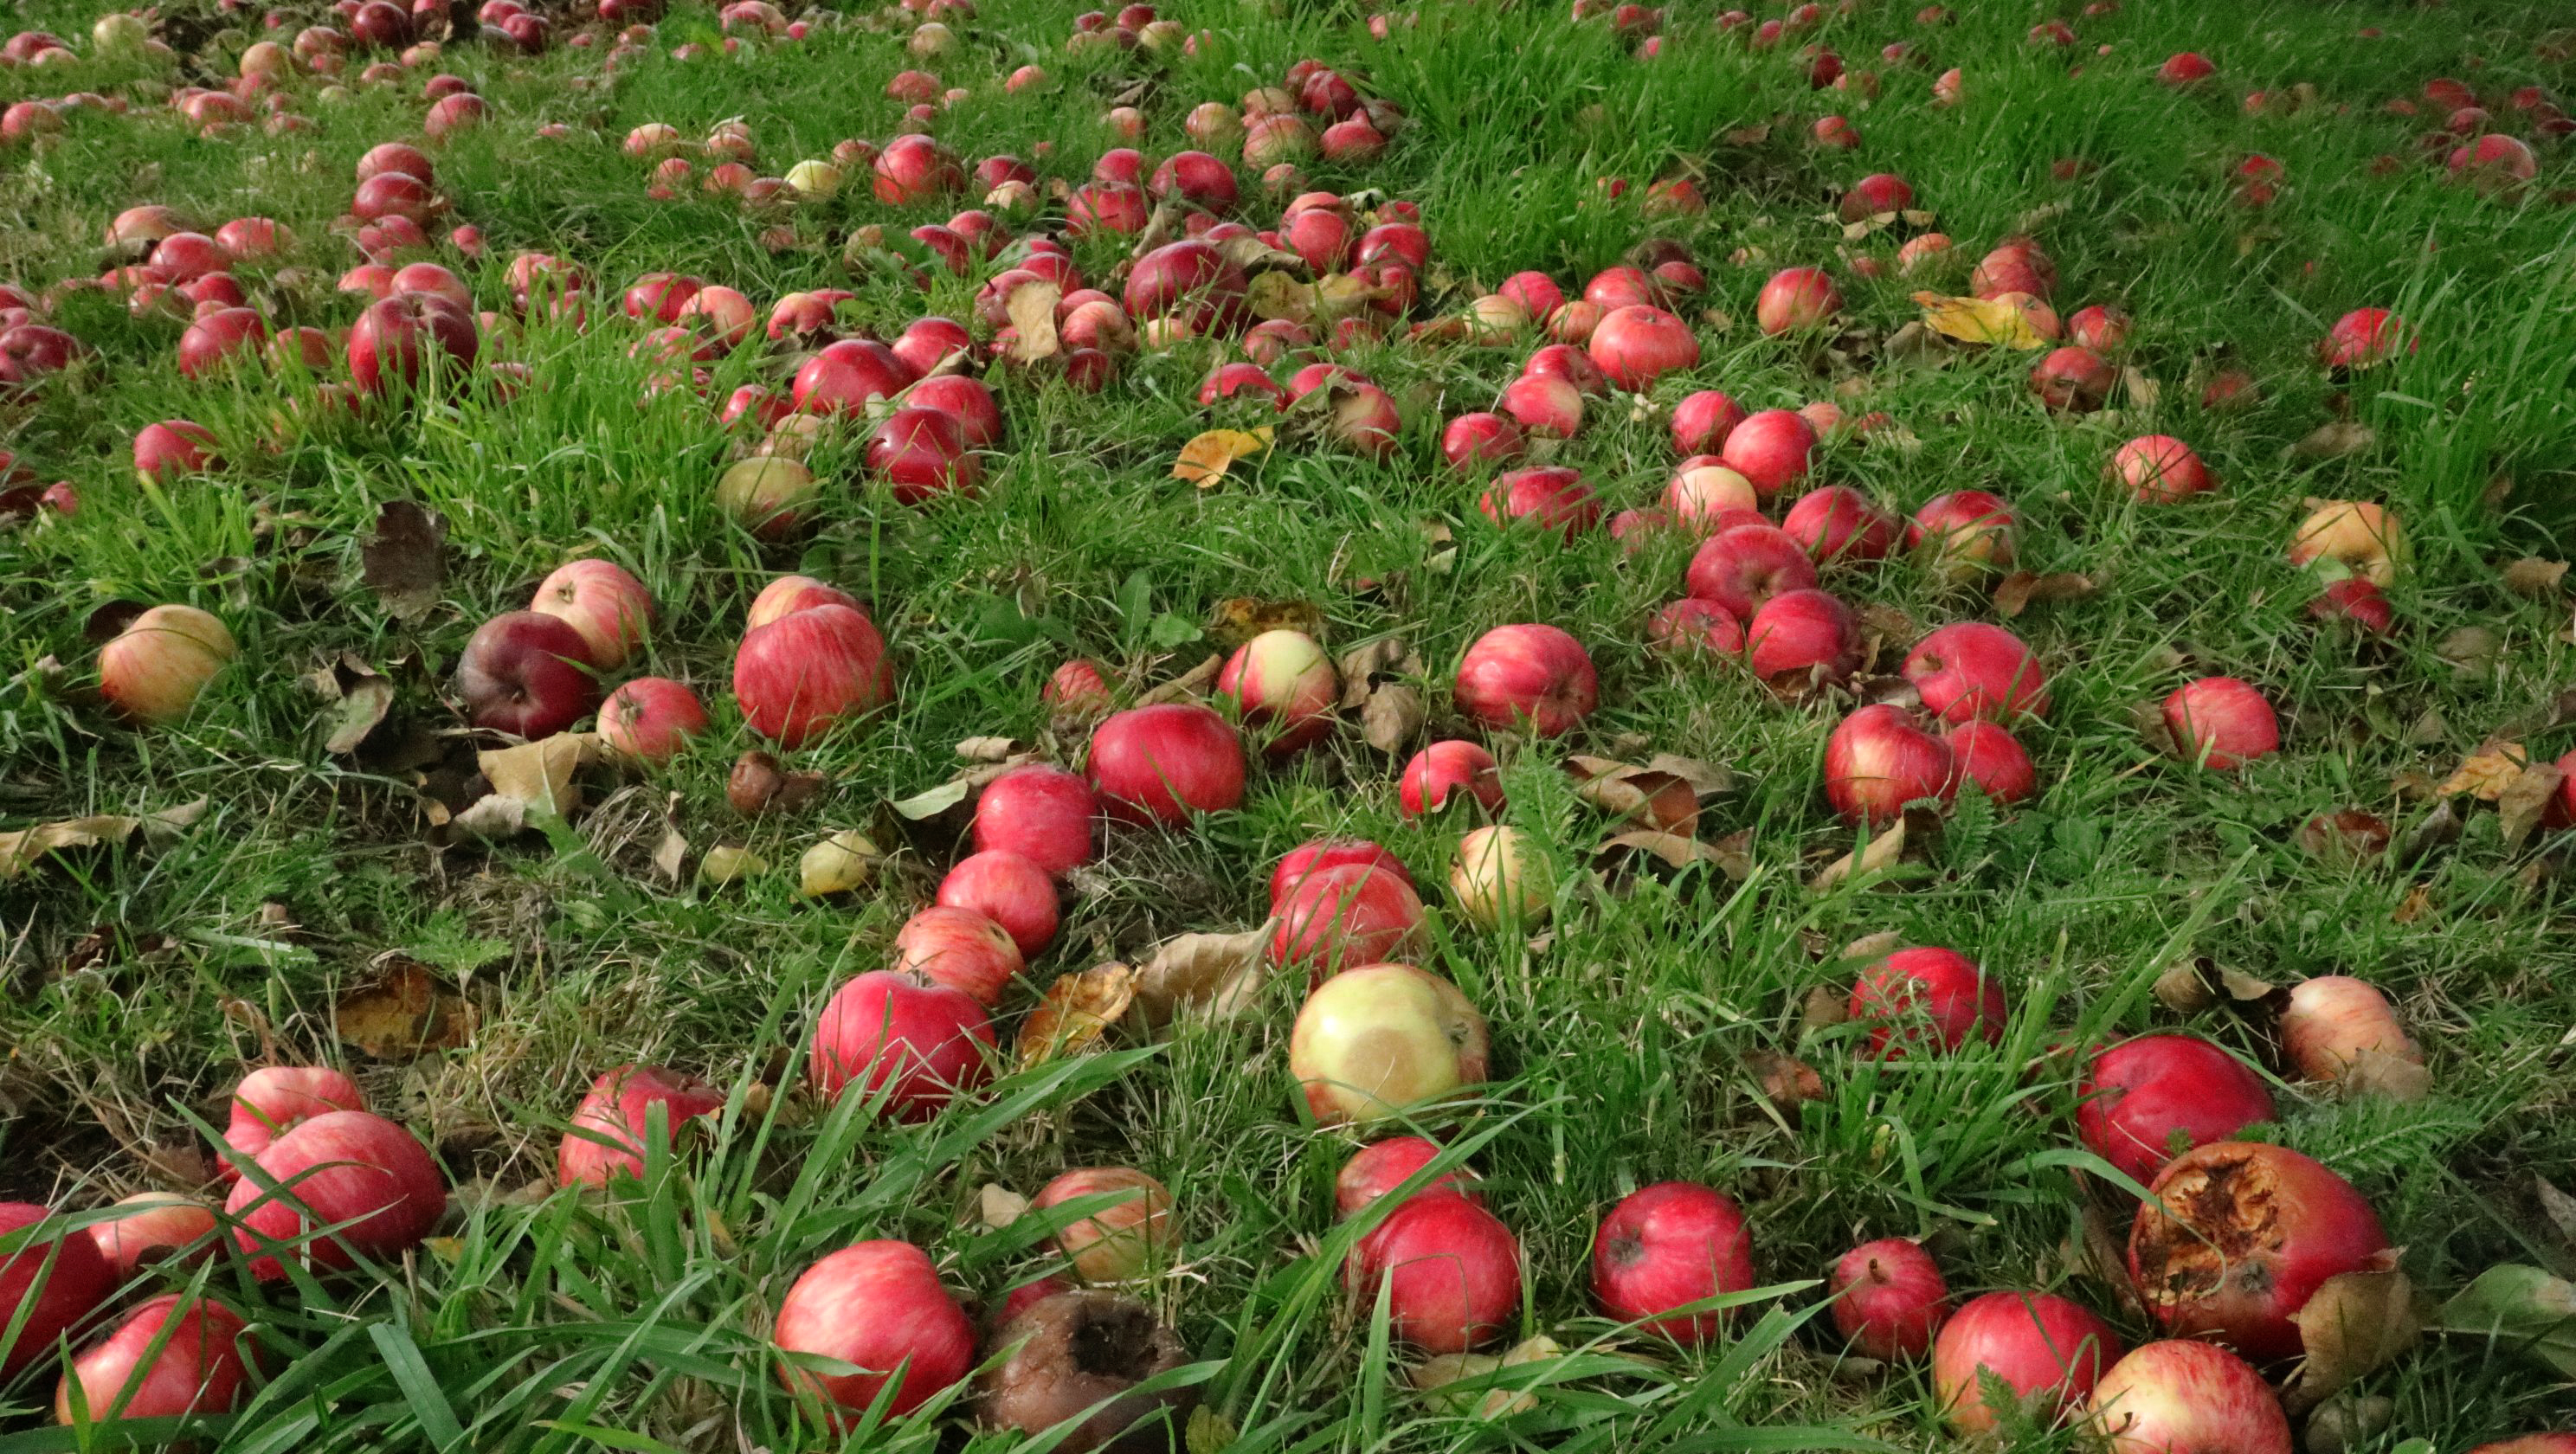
(2375, 1072)
(2487, 772)
(1031, 307)
(1881, 852)
(997, 1206)
(1786, 1081)
(991, 749)
(2334, 440)
(1735, 855)
(1823, 1009)
(1208, 456)
(1188, 686)
(407, 1012)
(1658, 800)
(1076, 1011)
(1361, 666)
(2200, 983)
(2354, 1324)
(1238, 619)
(530, 783)
(1673, 850)
(1979, 320)
(1221, 971)
(404, 562)
(1392, 717)
(2535, 578)
(2471, 651)
(2526, 800)
(20, 850)
(2021, 590)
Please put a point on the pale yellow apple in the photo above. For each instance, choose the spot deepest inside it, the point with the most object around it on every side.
(1500, 877)
(2363, 538)
(157, 665)
(1374, 1041)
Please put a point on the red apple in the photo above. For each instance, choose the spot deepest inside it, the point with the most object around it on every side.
(1346, 915)
(2049, 1352)
(922, 453)
(2073, 380)
(1125, 1238)
(1691, 626)
(1703, 492)
(604, 602)
(846, 375)
(1527, 674)
(2363, 337)
(1744, 566)
(173, 1356)
(527, 674)
(1638, 344)
(48, 1287)
(1042, 813)
(2236, 1238)
(788, 595)
(1963, 534)
(1544, 405)
(802, 674)
(1796, 298)
(1315, 855)
(1992, 760)
(1838, 522)
(1889, 1299)
(1877, 193)
(915, 168)
(1188, 280)
(1377, 1169)
(2145, 1099)
(651, 719)
(1165, 764)
(154, 1226)
(217, 337)
(2333, 1021)
(966, 400)
(173, 448)
(1972, 671)
(1770, 448)
(1665, 1247)
(898, 1035)
(1940, 991)
(961, 949)
(1551, 498)
(609, 1129)
(1381, 1039)
(2356, 600)
(154, 668)
(1878, 760)
(2160, 469)
(340, 1167)
(2100, 328)
(2221, 723)
(1564, 361)
(1468, 440)
(2183, 1395)
(1283, 685)
(400, 338)
(1702, 421)
(1008, 889)
(1799, 638)
(1445, 768)
(1451, 1273)
(1079, 687)
(879, 1307)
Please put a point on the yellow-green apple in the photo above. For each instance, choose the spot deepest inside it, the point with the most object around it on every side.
(2185, 1394)
(608, 1136)
(891, 1033)
(342, 1167)
(2221, 723)
(2352, 537)
(1499, 878)
(1377, 1169)
(1770, 448)
(2160, 469)
(806, 672)
(1889, 1299)
(1166, 763)
(154, 669)
(175, 1355)
(1702, 421)
(2046, 1352)
(1990, 758)
(1348, 914)
(2239, 1235)
(1665, 1247)
(959, 948)
(49, 1286)
(1450, 766)
(1042, 813)
(1702, 488)
(1450, 1271)
(154, 1226)
(1527, 675)
(527, 674)
(1011, 890)
(1638, 344)
(767, 495)
(1878, 760)
(1743, 566)
(878, 1307)
(1796, 298)
(1380, 1039)
(2144, 1098)
(1963, 534)
(604, 602)
(651, 718)
(1838, 523)
(2334, 1020)
(1912, 996)
(1801, 638)
(1124, 1238)
(1282, 684)
(1969, 670)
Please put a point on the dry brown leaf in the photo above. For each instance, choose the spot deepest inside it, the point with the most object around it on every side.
(2488, 771)
(1238, 619)
(359, 697)
(404, 563)
(1221, 971)
(1189, 685)
(21, 849)
(1871, 946)
(1207, 457)
(1786, 1081)
(1076, 1011)
(2355, 1323)
(2140, 389)
(2201, 983)
(1248, 252)
(1706, 779)
(2527, 799)
(529, 783)
(1031, 307)
(1735, 855)
(2335, 440)
(2558, 1206)
(1880, 852)
(997, 1206)
(2418, 903)
(2439, 829)
(407, 1013)
(1392, 717)
(2534, 577)
(672, 855)
(1979, 320)
(2470, 651)
(1674, 850)
(991, 749)
(2375, 1072)
(1362, 665)
(1824, 1008)
(2021, 590)
(1660, 800)
(1277, 295)
(2345, 1423)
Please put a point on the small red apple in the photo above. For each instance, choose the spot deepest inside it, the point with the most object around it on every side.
(1450, 1270)
(48, 1287)
(1009, 889)
(1992, 760)
(154, 669)
(1125, 1238)
(1838, 523)
(1744, 566)
(1771, 448)
(1042, 813)
(1446, 768)
(2180, 1394)
(1940, 991)
(2334, 1020)
(2160, 469)
(175, 1355)
(1800, 638)
(878, 1307)
(1878, 760)
(2221, 724)
(155, 1226)
(2048, 1352)
(527, 674)
(1796, 299)
(1971, 671)
(961, 949)
(1377, 1169)
(1346, 915)
(1963, 534)
(1889, 1299)
(1665, 1247)
(608, 1135)
(1167, 763)
(897, 1035)
(651, 719)
(340, 1167)
(1283, 685)
(1638, 344)
(805, 672)
(604, 602)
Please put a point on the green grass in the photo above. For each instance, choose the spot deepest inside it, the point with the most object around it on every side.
(143, 980)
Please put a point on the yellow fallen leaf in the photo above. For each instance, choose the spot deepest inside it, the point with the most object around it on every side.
(1077, 1010)
(1979, 320)
(1205, 460)
(2488, 771)
(406, 1013)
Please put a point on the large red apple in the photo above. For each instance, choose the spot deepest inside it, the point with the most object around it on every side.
(846, 375)
(1377, 1169)
(1167, 763)
(1796, 298)
(959, 948)
(1838, 523)
(1450, 1270)
(2047, 1351)
(1315, 855)
(1889, 1298)
(401, 338)
(1800, 638)
(1665, 1247)
(609, 1129)
(154, 669)
(1350, 914)
(174, 1356)
(922, 454)
(604, 602)
(1551, 498)
(1770, 448)
(155, 1226)
(1011, 890)
(1042, 813)
(1878, 760)
(48, 1287)
(1702, 421)
(1527, 675)
(1638, 344)
(1969, 670)
(1380, 1039)
(2180, 1395)
(802, 674)
(1939, 994)
(341, 1167)
(2145, 1099)
(1284, 686)
(899, 1035)
(276, 1099)
(527, 674)
(1743, 566)
(2221, 724)
(2236, 1238)
(879, 1307)
(1447, 768)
